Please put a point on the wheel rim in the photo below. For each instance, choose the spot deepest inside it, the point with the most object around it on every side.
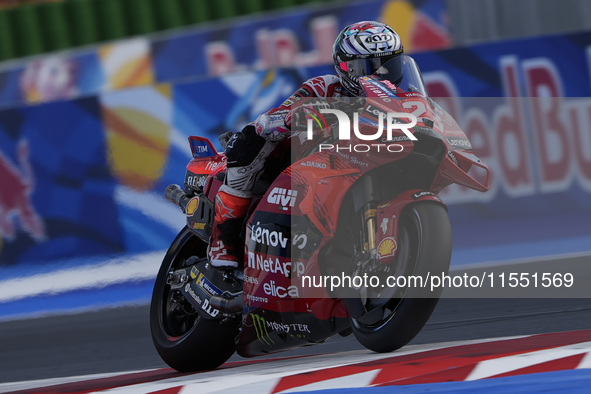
(404, 265)
(176, 321)
(177, 317)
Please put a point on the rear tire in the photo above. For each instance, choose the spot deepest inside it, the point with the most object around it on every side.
(186, 341)
(425, 238)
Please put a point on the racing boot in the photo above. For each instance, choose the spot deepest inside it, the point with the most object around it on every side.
(225, 247)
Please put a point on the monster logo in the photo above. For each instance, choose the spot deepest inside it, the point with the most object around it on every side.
(260, 326)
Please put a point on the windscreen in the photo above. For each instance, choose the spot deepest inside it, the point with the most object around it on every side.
(411, 76)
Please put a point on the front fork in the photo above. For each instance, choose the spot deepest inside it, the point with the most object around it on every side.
(370, 218)
(364, 252)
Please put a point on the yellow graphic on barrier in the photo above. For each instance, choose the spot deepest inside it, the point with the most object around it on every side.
(416, 29)
(127, 63)
(137, 127)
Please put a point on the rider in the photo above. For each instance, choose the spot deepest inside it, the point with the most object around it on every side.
(360, 49)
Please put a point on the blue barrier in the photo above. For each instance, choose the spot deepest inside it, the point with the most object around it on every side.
(84, 177)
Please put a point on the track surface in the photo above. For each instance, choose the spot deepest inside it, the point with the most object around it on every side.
(119, 339)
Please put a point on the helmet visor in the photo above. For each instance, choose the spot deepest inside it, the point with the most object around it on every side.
(385, 67)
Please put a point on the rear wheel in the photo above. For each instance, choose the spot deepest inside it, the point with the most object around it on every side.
(424, 247)
(184, 340)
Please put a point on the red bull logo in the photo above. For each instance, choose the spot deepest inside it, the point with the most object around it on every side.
(16, 185)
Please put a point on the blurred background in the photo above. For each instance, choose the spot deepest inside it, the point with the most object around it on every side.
(97, 98)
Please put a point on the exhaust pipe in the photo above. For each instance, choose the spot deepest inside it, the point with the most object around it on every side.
(232, 305)
(177, 196)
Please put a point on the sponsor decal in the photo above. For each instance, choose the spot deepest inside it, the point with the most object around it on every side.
(377, 89)
(300, 241)
(353, 159)
(379, 37)
(283, 197)
(265, 236)
(204, 303)
(276, 117)
(384, 225)
(453, 158)
(207, 286)
(291, 328)
(297, 330)
(462, 143)
(275, 290)
(254, 298)
(373, 110)
(303, 92)
(418, 195)
(313, 164)
(196, 180)
(257, 261)
(194, 272)
(260, 327)
(387, 247)
(275, 265)
(397, 138)
(389, 84)
(192, 206)
(251, 279)
(198, 226)
(200, 148)
(213, 165)
(194, 295)
(410, 94)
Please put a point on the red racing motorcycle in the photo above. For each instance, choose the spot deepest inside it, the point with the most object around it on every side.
(341, 236)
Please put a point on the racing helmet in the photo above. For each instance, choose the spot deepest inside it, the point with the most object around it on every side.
(362, 48)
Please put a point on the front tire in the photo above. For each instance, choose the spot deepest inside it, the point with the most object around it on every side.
(425, 244)
(183, 339)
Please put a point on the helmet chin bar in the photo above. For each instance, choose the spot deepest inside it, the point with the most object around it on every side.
(349, 84)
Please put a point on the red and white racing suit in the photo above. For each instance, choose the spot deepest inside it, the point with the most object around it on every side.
(246, 152)
(271, 127)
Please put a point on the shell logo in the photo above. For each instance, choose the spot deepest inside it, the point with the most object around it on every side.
(192, 206)
(387, 247)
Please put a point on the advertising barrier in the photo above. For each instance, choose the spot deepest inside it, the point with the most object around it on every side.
(301, 37)
(85, 177)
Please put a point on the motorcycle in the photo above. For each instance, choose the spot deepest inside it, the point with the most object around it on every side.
(320, 212)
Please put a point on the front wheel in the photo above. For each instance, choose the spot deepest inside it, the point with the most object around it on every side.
(424, 247)
(183, 339)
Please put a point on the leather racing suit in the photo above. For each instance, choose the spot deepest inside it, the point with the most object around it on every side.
(246, 152)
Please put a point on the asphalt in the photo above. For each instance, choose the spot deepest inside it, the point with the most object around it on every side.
(114, 340)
